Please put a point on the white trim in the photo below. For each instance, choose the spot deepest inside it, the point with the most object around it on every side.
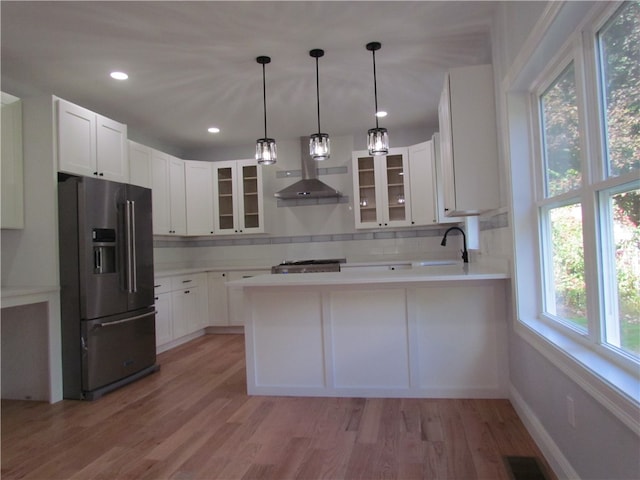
(552, 453)
(531, 44)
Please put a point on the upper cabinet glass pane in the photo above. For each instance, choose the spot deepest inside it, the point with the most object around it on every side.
(395, 188)
(367, 193)
(561, 134)
(619, 45)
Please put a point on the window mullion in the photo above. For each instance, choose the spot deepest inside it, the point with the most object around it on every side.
(592, 263)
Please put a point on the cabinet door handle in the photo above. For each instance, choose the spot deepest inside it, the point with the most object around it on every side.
(187, 291)
(186, 281)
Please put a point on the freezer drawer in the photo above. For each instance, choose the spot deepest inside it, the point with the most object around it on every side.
(117, 348)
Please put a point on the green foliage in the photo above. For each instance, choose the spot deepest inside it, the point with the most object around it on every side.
(568, 263)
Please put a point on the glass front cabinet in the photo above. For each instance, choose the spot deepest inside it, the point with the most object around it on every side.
(238, 202)
(381, 189)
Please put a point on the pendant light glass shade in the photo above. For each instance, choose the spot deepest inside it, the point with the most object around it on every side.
(319, 146)
(378, 141)
(266, 151)
(377, 138)
(319, 143)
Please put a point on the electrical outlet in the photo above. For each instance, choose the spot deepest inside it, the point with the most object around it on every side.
(571, 413)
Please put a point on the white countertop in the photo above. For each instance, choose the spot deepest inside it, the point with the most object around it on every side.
(432, 273)
(12, 296)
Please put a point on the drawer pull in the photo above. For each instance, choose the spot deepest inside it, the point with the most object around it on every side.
(186, 281)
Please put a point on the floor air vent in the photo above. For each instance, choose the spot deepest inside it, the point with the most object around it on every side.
(524, 468)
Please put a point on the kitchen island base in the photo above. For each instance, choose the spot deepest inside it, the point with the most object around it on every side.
(436, 340)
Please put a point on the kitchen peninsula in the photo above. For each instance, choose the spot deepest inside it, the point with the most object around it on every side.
(424, 331)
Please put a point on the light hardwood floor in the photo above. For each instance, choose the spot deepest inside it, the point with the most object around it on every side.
(194, 420)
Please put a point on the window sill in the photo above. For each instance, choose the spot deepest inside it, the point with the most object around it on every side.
(615, 388)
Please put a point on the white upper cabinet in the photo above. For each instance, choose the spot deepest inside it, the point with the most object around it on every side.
(168, 194)
(468, 142)
(422, 180)
(199, 197)
(140, 172)
(90, 144)
(382, 196)
(238, 199)
(12, 177)
(439, 190)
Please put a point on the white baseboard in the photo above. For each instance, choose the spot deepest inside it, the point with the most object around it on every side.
(554, 456)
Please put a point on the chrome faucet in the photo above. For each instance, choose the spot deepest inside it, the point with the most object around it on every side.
(465, 254)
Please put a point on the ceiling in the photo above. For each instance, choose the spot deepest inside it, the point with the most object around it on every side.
(192, 65)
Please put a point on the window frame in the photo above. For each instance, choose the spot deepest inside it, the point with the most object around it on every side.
(582, 47)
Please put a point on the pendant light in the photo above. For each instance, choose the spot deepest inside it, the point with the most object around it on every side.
(266, 152)
(319, 143)
(377, 138)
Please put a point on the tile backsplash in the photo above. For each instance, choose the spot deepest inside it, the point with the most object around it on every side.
(266, 250)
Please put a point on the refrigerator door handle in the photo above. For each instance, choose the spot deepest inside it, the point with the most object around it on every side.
(119, 322)
(134, 260)
(130, 246)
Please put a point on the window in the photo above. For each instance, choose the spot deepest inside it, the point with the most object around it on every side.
(619, 50)
(588, 192)
(565, 293)
(620, 211)
(561, 139)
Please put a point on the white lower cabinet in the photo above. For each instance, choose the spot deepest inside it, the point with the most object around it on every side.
(218, 301)
(235, 296)
(164, 329)
(181, 305)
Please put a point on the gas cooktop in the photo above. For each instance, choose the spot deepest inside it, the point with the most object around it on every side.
(309, 266)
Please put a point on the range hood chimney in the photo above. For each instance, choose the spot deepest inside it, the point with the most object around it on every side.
(309, 186)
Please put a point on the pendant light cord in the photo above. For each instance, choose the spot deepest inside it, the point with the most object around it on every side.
(318, 93)
(264, 100)
(375, 86)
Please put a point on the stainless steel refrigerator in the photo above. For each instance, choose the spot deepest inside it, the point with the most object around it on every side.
(106, 278)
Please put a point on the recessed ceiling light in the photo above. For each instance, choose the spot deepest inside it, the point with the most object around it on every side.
(213, 130)
(119, 75)
(381, 114)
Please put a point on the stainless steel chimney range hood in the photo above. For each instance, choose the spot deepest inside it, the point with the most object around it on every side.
(309, 186)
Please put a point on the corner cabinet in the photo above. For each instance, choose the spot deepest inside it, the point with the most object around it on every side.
(237, 197)
(199, 197)
(140, 172)
(468, 141)
(91, 145)
(381, 189)
(168, 194)
(422, 181)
